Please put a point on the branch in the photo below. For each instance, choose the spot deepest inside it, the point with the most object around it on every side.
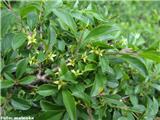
(8, 5)
(89, 111)
(40, 78)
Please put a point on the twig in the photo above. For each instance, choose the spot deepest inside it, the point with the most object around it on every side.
(8, 5)
(40, 78)
(89, 111)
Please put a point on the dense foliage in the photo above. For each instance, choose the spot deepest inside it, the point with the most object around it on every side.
(81, 60)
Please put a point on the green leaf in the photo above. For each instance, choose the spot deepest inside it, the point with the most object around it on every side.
(66, 18)
(47, 90)
(69, 103)
(32, 19)
(137, 63)
(155, 106)
(133, 99)
(8, 19)
(102, 32)
(48, 106)
(25, 10)
(68, 76)
(112, 84)
(156, 86)
(41, 56)
(116, 115)
(63, 67)
(113, 101)
(65, 74)
(52, 37)
(95, 15)
(6, 83)
(50, 5)
(122, 118)
(102, 44)
(20, 104)
(6, 43)
(104, 64)
(80, 17)
(78, 91)
(61, 45)
(21, 67)
(99, 83)
(82, 96)
(27, 80)
(138, 108)
(92, 58)
(50, 115)
(18, 40)
(89, 67)
(152, 55)
(152, 108)
(9, 68)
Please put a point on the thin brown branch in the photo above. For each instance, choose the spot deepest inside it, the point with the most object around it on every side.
(89, 111)
(8, 5)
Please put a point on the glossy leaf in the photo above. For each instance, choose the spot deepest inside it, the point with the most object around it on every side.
(138, 108)
(6, 43)
(21, 67)
(135, 62)
(27, 80)
(104, 63)
(102, 32)
(66, 18)
(48, 106)
(156, 86)
(114, 101)
(32, 19)
(52, 37)
(80, 60)
(122, 118)
(20, 104)
(155, 106)
(69, 103)
(89, 67)
(6, 83)
(18, 40)
(25, 10)
(46, 90)
(152, 55)
(99, 83)
(61, 45)
(50, 115)
(8, 19)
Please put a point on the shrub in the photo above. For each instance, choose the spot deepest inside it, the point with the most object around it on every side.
(77, 60)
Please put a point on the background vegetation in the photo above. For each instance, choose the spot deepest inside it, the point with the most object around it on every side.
(68, 60)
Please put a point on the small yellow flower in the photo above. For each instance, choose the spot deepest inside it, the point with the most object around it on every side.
(94, 49)
(89, 46)
(51, 56)
(32, 60)
(71, 62)
(77, 72)
(123, 41)
(100, 52)
(60, 83)
(97, 51)
(100, 90)
(84, 57)
(31, 38)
